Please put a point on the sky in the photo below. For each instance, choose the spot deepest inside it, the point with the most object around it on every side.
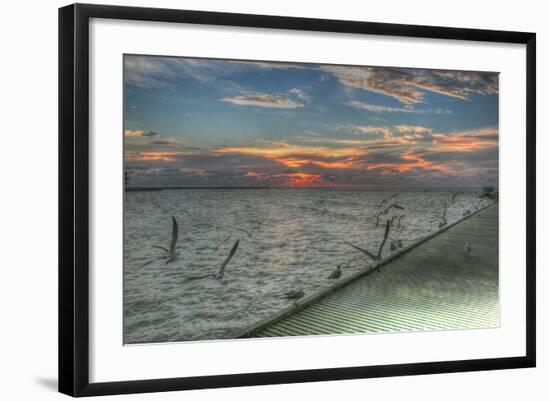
(211, 123)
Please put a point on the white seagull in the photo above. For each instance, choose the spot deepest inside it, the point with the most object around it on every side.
(467, 248)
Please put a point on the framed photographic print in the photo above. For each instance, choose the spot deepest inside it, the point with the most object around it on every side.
(249, 199)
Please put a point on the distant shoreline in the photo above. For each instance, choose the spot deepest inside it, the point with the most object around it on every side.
(134, 189)
(138, 189)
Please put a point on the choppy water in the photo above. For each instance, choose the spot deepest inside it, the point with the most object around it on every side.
(297, 239)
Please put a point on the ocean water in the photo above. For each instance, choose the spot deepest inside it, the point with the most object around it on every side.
(289, 239)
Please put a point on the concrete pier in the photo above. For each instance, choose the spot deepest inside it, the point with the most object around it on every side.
(432, 286)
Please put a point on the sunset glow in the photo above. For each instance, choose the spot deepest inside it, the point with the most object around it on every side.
(199, 122)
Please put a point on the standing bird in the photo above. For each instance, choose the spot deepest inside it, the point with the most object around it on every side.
(443, 221)
(467, 248)
(336, 274)
(295, 295)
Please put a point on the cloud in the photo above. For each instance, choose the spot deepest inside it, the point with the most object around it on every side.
(166, 156)
(275, 65)
(275, 150)
(150, 145)
(168, 142)
(133, 133)
(388, 155)
(137, 132)
(297, 180)
(146, 72)
(412, 131)
(409, 161)
(300, 94)
(379, 80)
(410, 85)
(296, 155)
(375, 108)
(396, 132)
(371, 130)
(263, 100)
(152, 72)
(467, 141)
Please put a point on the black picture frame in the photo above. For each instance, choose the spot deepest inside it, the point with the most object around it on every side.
(74, 198)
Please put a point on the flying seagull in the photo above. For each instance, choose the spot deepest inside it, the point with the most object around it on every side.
(455, 194)
(336, 274)
(223, 242)
(399, 220)
(385, 200)
(249, 232)
(396, 243)
(171, 253)
(386, 210)
(295, 295)
(220, 274)
(378, 256)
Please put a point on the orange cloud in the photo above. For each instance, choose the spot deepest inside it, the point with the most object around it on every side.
(300, 180)
(466, 142)
(296, 180)
(417, 161)
(283, 149)
(295, 156)
(411, 161)
(295, 163)
(153, 156)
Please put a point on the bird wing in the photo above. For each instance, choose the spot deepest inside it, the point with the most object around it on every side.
(174, 235)
(395, 205)
(226, 261)
(147, 263)
(386, 199)
(161, 247)
(386, 233)
(370, 255)
(455, 195)
(244, 231)
(221, 243)
(198, 277)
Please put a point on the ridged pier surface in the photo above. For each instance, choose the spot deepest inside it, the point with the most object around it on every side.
(434, 286)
